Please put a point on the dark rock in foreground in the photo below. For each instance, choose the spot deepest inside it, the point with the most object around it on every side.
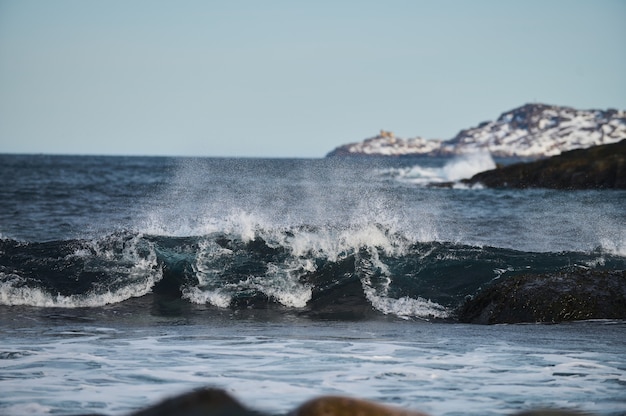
(340, 406)
(203, 402)
(555, 297)
(215, 402)
(599, 167)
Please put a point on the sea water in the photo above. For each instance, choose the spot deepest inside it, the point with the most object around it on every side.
(125, 280)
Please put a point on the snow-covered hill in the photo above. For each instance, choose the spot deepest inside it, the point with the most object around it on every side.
(530, 131)
(387, 144)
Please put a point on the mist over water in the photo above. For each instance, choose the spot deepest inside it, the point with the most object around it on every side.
(241, 196)
(83, 197)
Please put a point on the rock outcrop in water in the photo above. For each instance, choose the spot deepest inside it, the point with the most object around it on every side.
(529, 131)
(599, 167)
(550, 298)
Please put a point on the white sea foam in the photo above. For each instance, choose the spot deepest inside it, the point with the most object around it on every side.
(467, 165)
(441, 369)
(460, 167)
(13, 293)
(236, 222)
(615, 245)
(211, 289)
(406, 307)
(244, 224)
(28, 409)
(136, 275)
(334, 243)
(280, 281)
(199, 296)
(376, 283)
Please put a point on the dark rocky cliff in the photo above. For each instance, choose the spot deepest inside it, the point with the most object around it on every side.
(599, 167)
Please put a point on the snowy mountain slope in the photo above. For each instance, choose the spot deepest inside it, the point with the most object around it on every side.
(387, 144)
(530, 131)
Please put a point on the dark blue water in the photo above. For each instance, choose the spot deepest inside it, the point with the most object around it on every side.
(89, 231)
(105, 259)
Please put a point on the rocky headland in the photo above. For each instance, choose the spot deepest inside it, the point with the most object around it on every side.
(531, 131)
(598, 167)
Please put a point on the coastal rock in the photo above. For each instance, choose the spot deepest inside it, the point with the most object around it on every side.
(530, 131)
(555, 297)
(599, 167)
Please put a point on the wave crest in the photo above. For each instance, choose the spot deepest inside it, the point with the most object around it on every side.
(319, 271)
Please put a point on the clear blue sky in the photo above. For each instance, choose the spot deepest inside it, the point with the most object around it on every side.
(291, 78)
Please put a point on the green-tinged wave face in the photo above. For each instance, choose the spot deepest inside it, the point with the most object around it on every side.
(320, 271)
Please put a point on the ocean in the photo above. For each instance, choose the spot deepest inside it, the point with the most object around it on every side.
(126, 280)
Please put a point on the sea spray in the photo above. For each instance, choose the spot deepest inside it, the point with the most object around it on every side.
(460, 167)
(467, 165)
(213, 195)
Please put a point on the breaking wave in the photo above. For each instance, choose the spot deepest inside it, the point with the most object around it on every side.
(77, 273)
(461, 167)
(320, 271)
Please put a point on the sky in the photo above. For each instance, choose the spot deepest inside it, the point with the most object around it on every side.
(293, 78)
